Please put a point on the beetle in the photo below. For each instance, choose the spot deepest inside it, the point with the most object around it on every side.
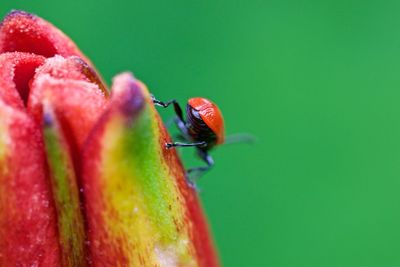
(203, 128)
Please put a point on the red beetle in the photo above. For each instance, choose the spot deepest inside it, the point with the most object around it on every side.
(203, 127)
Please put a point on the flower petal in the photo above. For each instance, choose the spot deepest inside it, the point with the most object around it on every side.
(76, 99)
(139, 208)
(28, 228)
(71, 68)
(16, 71)
(65, 190)
(24, 32)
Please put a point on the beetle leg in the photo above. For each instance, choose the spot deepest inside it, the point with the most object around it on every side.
(207, 159)
(179, 121)
(177, 107)
(193, 174)
(178, 144)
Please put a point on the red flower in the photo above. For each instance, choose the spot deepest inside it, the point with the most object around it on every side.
(85, 179)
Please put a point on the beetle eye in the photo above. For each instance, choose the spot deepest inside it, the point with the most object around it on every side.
(195, 113)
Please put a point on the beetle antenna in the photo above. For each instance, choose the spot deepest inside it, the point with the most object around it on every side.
(240, 138)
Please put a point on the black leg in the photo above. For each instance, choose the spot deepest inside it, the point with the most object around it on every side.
(179, 121)
(177, 108)
(200, 170)
(193, 174)
(178, 144)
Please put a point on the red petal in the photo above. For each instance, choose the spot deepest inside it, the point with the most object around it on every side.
(72, 68)
(16, 70)
(77, 101)
(24, 32)
(28, 229)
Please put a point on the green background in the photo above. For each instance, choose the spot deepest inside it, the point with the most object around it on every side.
(318, 83)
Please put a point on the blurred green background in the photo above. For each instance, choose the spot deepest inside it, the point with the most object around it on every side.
(318, 82)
